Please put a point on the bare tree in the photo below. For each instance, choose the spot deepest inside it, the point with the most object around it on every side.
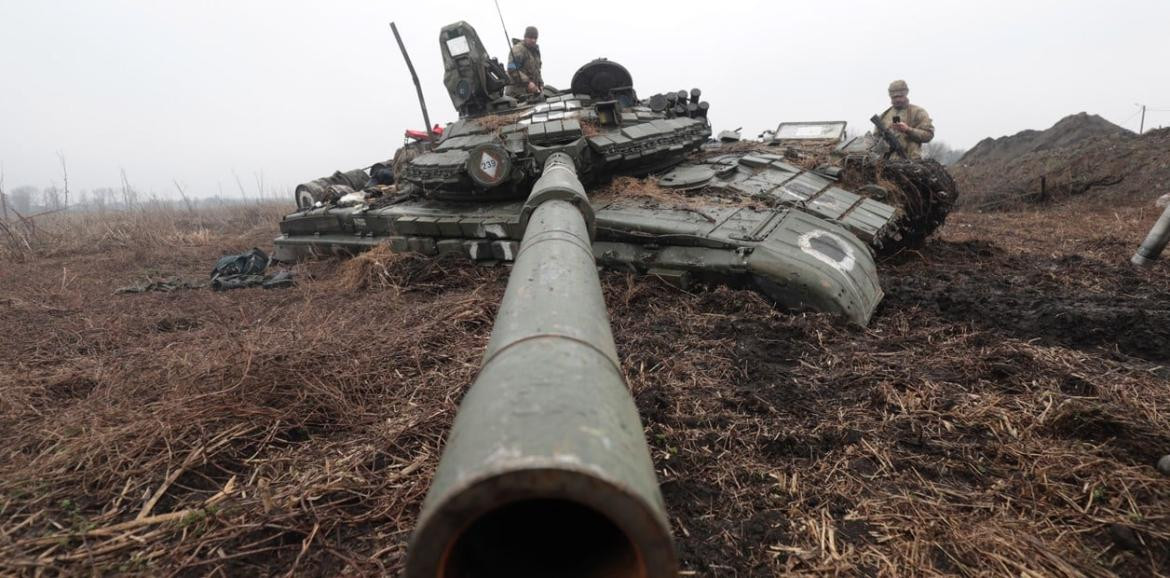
(240, 185)
(104, 196)
(129, 195)
(942, 152)
(51, 197)
(99, 199)
(22, 198)
(183, 194)
(64, 175)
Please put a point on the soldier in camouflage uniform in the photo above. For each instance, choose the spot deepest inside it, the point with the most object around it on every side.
(913, 127)
(524, 67)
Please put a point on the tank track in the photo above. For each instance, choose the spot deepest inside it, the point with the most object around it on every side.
(922, 190)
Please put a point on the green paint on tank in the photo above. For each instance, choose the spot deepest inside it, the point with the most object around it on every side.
(546, 471)
(748, 217)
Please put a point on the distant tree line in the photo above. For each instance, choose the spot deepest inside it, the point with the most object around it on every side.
(30, 200)
(942, 152)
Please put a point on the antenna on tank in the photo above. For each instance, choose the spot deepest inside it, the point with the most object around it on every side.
(507, 37)
(417, 86)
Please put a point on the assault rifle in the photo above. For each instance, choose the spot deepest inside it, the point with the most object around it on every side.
(888, 136)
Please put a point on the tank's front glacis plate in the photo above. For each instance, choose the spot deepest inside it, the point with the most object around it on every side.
(799, 260)
(773, 181)
(794, 258)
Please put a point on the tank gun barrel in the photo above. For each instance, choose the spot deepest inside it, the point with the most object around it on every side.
(546, 471)
(1155, 242)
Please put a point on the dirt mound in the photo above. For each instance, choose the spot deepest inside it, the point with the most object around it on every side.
(1080, 154)
(1069, 131)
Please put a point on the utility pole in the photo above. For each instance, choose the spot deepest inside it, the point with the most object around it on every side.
(1142, 125)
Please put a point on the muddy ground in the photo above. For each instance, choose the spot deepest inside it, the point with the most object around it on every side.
(1001, 415)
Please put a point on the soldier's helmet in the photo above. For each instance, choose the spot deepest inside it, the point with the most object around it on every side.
(899, 88)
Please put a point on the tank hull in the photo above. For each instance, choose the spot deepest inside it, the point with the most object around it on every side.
(798, 260)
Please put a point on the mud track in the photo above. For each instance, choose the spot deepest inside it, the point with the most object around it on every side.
(1068, 300)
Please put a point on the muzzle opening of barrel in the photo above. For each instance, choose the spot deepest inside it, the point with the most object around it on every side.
(543, 537)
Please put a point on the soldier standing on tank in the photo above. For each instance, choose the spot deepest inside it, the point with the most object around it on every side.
(910, 123)
(524, 67)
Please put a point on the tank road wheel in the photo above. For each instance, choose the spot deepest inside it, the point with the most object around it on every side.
(923, 190)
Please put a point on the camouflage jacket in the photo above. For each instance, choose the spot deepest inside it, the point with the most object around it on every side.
(524, 67)
(921, 128)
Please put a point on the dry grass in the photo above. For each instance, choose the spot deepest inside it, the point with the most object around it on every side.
(806, 156)
(589, 127)
(370, 270)
(648, 193)
(495, 122)
(61, 234)
(635, 188)
(1000, 416)
(214, 432)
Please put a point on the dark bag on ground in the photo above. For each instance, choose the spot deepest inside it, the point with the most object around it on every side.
(251, 262)
(247, 270)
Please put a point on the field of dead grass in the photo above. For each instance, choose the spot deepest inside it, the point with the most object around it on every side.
(1001, 415)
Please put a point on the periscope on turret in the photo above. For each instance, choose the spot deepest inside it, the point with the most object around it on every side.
(755, 215)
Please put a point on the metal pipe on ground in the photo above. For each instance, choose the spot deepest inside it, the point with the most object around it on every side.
(546, 471)
(1155, 242)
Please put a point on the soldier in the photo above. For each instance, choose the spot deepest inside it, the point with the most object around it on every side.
(524, 67)
(910, 123)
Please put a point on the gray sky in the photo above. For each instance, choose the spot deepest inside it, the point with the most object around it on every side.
(292, 89)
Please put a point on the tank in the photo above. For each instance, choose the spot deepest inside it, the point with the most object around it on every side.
(798, 216)
(546, 471)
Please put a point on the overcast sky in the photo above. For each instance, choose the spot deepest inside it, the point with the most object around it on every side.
(292, 90)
